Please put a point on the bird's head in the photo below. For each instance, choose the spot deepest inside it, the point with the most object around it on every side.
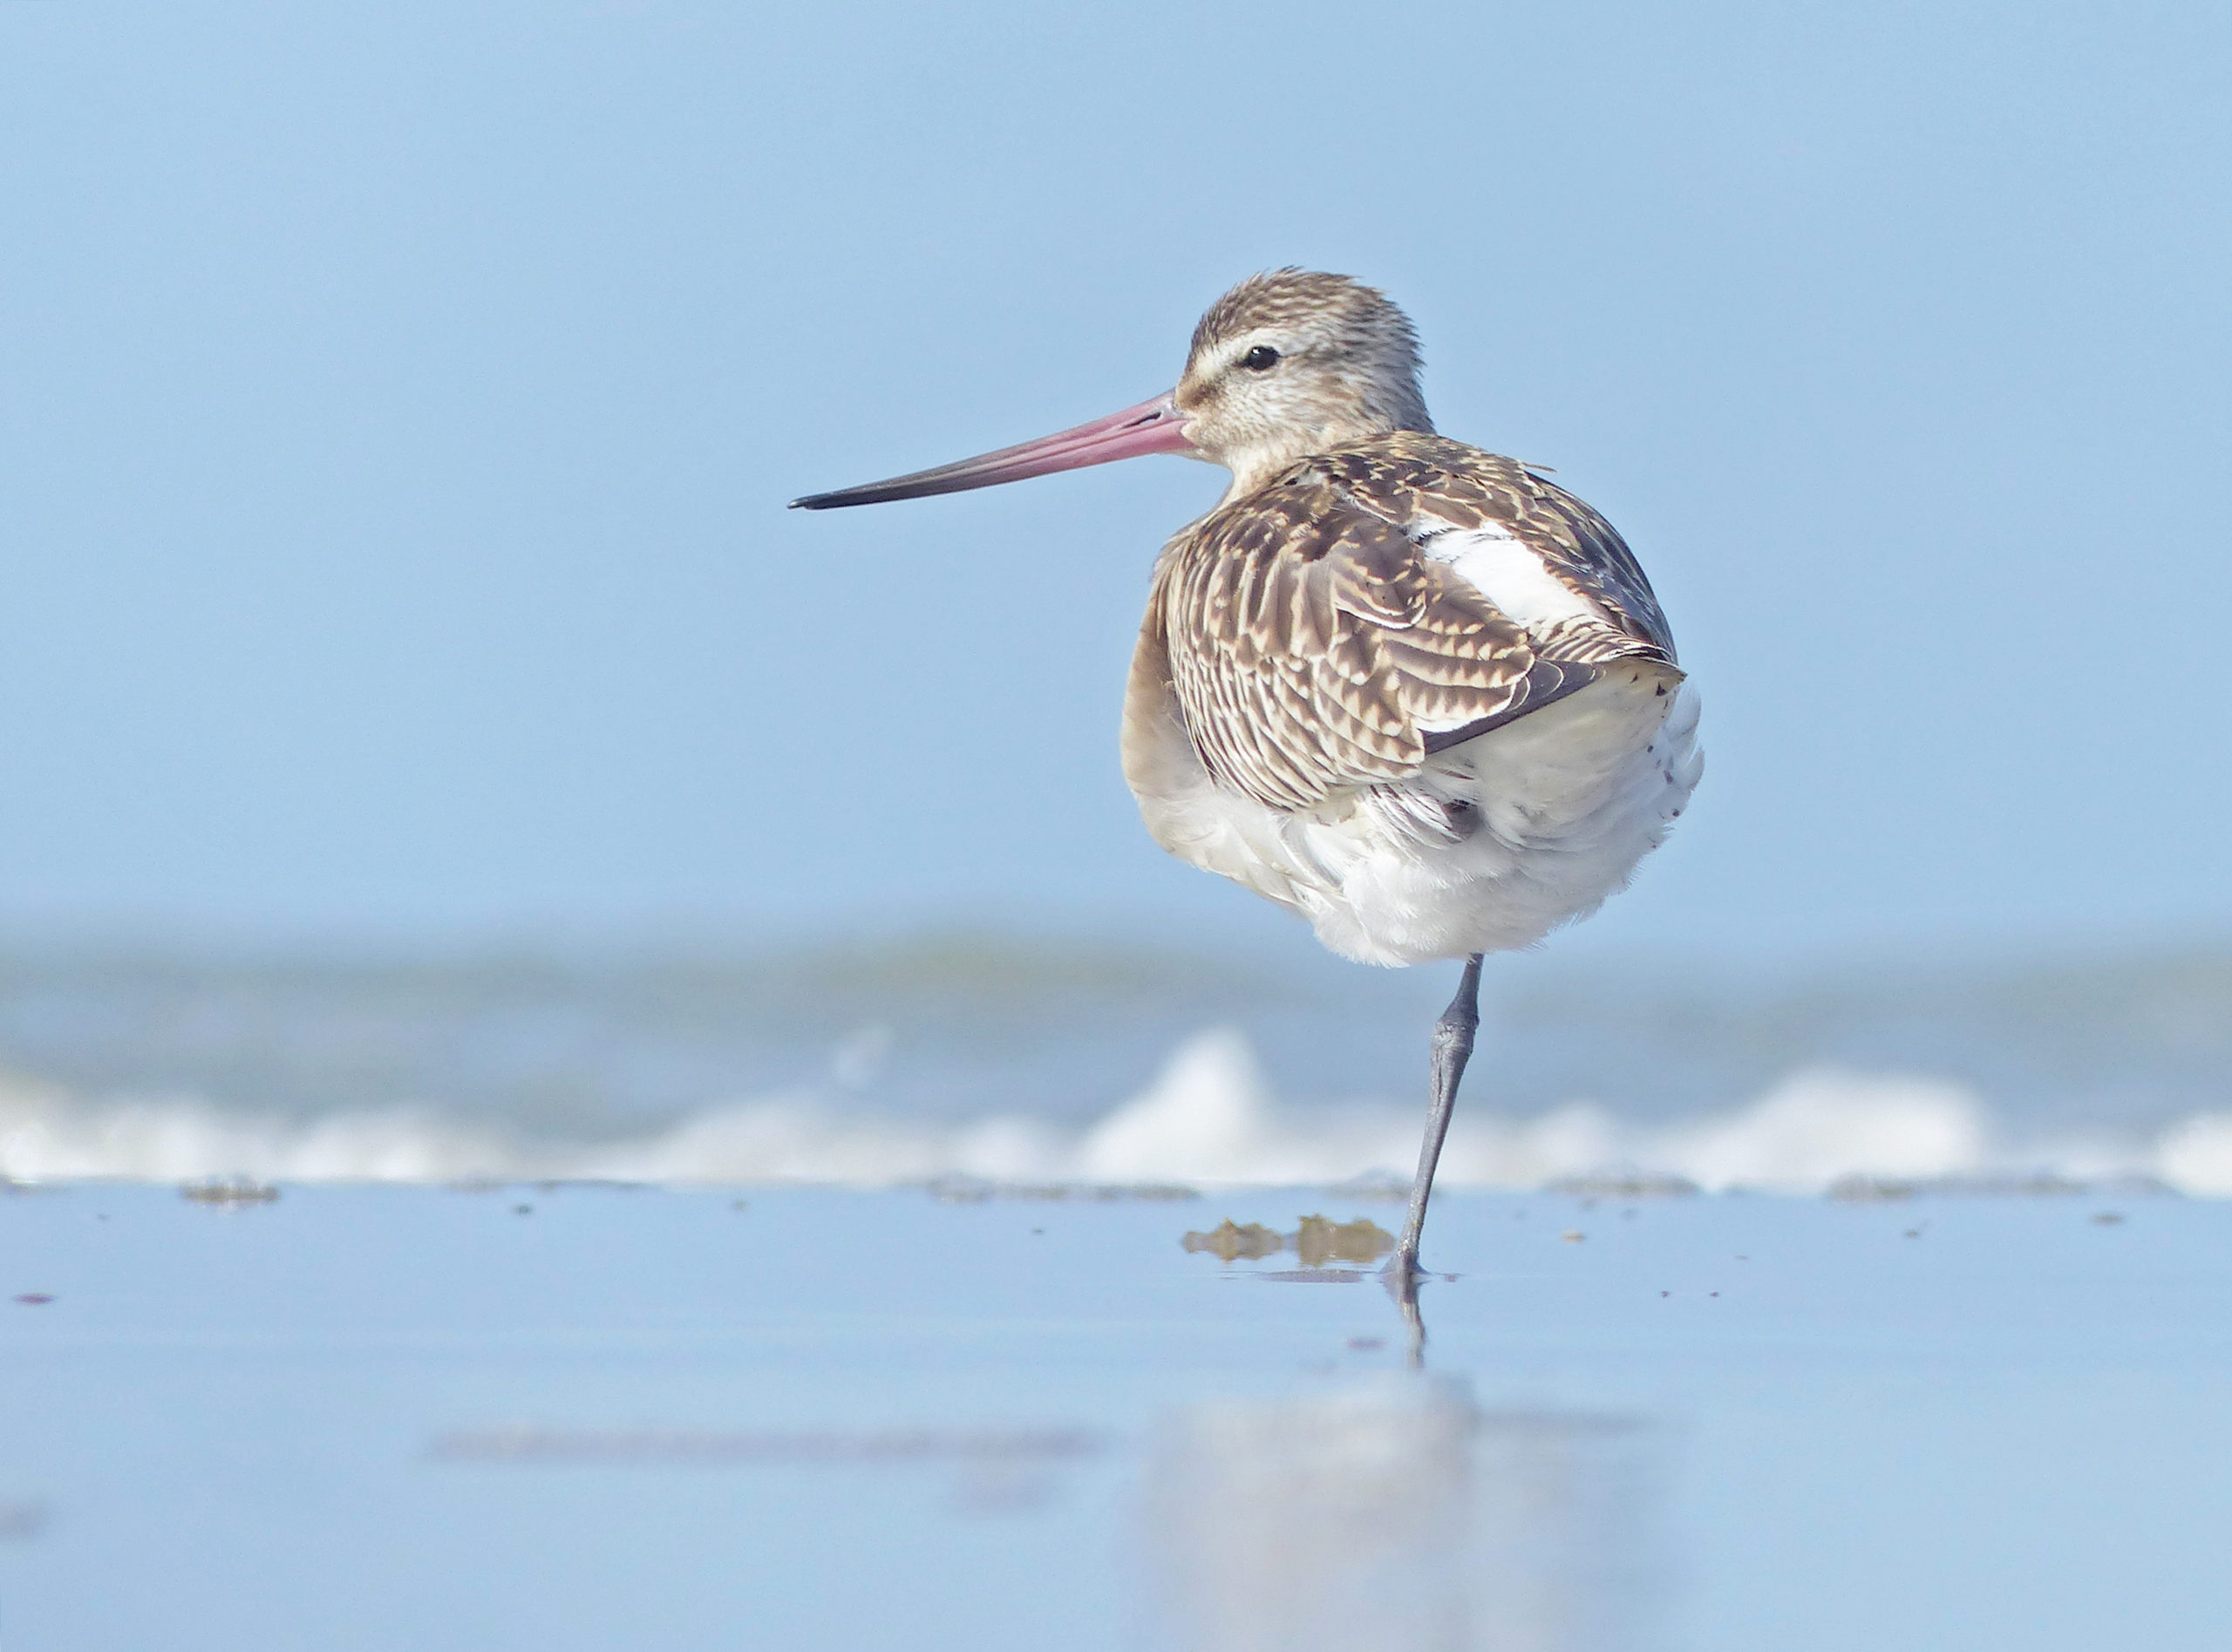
(1287, 364)
(1294, 363)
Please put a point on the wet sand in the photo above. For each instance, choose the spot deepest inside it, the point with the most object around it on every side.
(593, 1417)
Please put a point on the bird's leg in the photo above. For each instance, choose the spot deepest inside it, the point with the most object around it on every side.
(1452, 1048)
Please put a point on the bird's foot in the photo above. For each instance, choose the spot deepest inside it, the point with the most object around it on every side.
(1401, 1276)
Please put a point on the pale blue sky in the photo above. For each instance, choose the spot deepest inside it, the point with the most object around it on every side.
(398, 403)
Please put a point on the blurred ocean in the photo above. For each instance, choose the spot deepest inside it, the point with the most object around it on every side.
(1047, 1062)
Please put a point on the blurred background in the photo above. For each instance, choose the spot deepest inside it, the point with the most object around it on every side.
(417, 706)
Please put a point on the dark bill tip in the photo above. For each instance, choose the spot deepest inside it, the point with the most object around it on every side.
(880, 493)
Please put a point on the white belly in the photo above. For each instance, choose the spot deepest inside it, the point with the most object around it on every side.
(1563, 803)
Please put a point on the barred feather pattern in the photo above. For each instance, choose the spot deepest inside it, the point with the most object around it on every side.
(1316, 647)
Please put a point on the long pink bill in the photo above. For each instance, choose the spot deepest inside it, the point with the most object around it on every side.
(1152, 427)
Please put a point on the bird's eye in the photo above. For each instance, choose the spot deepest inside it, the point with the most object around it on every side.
(1260, 360)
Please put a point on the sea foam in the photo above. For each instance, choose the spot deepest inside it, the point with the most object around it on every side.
(1208, 1118)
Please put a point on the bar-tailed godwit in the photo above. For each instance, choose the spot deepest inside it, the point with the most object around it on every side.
(1414, 691)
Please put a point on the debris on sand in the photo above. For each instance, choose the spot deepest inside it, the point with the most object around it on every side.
(1228, 1241)
(1318, 1240)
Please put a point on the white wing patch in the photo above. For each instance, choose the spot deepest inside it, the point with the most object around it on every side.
(1505, 569)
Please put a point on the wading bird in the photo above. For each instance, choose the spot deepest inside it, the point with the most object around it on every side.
(1412, 690)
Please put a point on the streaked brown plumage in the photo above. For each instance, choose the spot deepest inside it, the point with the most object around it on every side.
(1315, 647)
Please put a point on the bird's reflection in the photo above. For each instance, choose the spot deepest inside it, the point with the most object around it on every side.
(1402, 1285)
(1320, 1245)
(1398, 1512)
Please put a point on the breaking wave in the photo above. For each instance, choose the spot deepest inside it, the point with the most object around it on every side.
(1208, 1118)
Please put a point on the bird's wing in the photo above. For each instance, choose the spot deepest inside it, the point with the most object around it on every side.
(1428, 484)
(1315, 646)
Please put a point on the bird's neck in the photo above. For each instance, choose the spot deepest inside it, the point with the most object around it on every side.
(1258, 462)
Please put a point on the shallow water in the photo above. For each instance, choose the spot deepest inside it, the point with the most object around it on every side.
(593, 1417)
(1038, 1061)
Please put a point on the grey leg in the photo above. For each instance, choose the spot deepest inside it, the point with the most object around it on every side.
(1452, 1048)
